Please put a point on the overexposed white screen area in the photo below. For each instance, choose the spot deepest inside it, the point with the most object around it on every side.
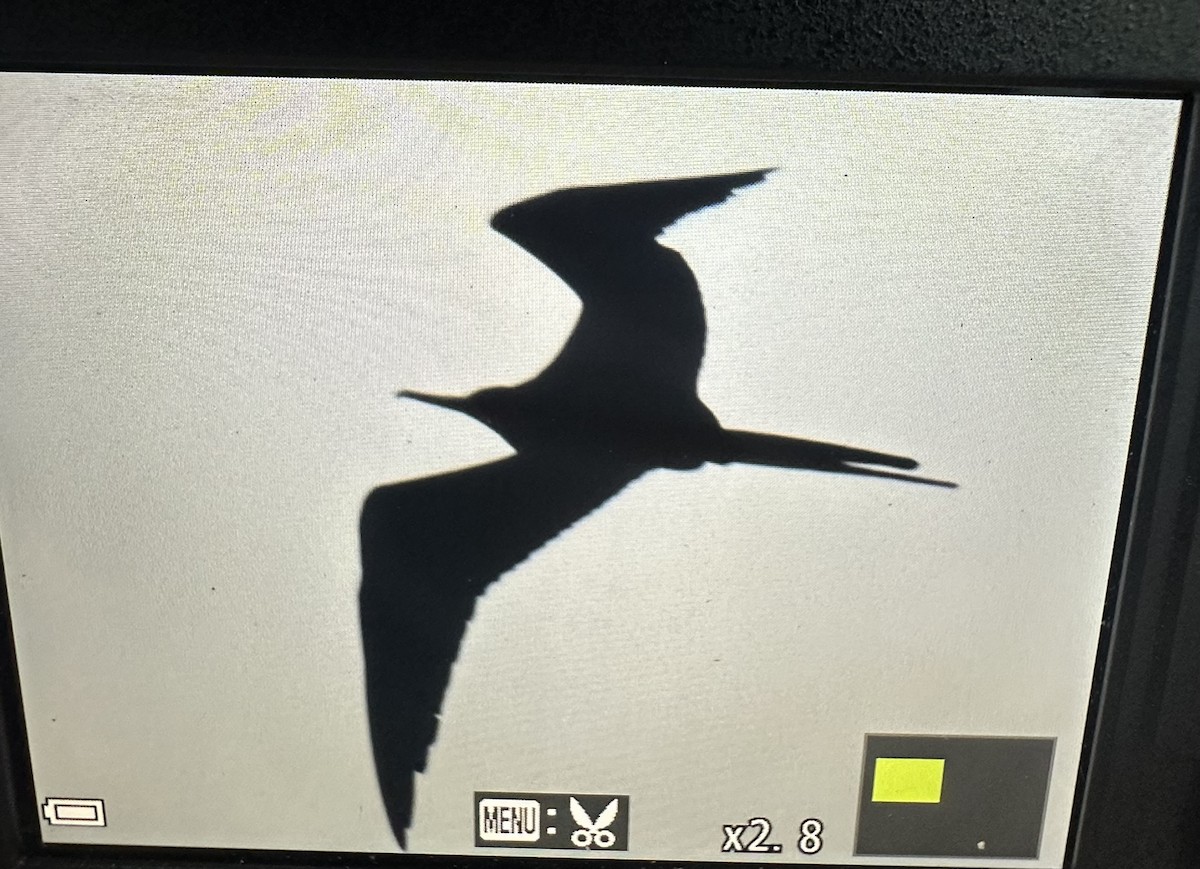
(211, 289)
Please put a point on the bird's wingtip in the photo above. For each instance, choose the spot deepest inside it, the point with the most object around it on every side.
(755, 176)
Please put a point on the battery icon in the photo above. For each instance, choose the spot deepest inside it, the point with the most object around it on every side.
(74, 812)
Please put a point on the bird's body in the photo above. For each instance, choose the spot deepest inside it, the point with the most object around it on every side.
(676, 434)
(619, 400)
(624, 382)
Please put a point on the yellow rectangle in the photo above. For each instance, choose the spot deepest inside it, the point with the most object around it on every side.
(908, 780)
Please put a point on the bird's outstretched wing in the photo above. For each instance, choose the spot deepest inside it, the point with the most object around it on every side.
(586, 217)
(429, 548)
(642, 323)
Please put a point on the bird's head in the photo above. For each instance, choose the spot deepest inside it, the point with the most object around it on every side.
(487, 406)
(450, 402)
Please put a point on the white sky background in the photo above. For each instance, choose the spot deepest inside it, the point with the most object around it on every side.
(210, 291)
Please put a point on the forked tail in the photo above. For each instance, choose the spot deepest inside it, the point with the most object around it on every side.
(777, 451)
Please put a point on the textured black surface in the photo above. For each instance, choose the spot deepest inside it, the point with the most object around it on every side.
(1080, 42)
(1142, 797)
(992, 800)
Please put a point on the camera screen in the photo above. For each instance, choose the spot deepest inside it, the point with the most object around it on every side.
(645, 472)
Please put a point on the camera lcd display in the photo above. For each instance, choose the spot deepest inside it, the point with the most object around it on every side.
(674, 473)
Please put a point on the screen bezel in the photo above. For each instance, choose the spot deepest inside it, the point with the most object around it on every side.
(1157, 501)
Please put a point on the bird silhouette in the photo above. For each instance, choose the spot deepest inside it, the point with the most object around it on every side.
(620, 399)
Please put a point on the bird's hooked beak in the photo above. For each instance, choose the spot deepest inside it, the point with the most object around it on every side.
(449, 402)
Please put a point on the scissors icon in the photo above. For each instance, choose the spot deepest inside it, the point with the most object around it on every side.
(593, 832)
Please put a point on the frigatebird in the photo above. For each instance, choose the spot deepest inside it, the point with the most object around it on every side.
(619, 400)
